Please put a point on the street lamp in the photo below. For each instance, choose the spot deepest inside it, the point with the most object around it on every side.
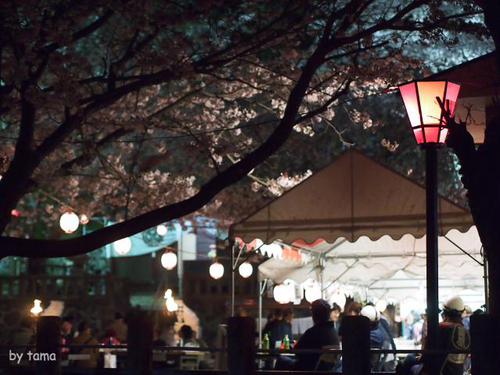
(430, 129)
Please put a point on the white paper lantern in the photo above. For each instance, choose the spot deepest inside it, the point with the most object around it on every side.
(161, 230)
(123, 246)
(283, 293)
(245, 269)
(69, 222)
(216, 270)
(312, 292)
(84, 219)
(169, 260)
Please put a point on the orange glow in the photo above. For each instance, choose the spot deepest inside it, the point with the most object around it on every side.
(424, 111)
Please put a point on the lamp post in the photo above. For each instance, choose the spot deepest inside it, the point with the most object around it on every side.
(430, 129)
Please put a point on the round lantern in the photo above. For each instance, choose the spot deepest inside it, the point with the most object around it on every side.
(84, 219)
(123, 246)
(161, 230)
(426, 118)
(216, 270)
(69, 222)
(169, 260)
(281, 294)
(245, 270)
(312, 292)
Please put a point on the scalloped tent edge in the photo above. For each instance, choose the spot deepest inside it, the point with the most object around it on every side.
(352, 197)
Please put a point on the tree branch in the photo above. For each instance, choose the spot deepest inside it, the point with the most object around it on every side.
(81, 245)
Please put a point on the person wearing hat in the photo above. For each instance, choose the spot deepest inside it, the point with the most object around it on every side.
(452, 336)
(321, 334)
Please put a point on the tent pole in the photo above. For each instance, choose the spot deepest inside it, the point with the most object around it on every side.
(262, 288)
(231, 246)
(485, 276)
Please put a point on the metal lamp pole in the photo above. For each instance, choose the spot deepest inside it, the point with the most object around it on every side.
(432, 276)
(423, 101)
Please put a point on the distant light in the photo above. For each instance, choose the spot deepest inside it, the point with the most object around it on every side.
(161, 230)
(123, 246)
(169, 260)
(69, 222)
(84, 219)
(245, 269)
(15, 213)
(168, 294)
(171, 305)
(37, 308)
(216, 270)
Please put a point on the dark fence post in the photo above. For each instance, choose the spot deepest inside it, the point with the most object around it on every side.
(47, 358)
(140, 343)
(485, 333)
(355, 345)
(241, 346)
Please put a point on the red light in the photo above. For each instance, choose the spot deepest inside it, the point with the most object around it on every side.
(15, 213)
(423, 109)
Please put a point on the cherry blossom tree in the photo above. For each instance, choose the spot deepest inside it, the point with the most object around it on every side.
(147, 111)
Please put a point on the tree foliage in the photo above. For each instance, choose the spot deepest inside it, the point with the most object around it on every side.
(146, 111)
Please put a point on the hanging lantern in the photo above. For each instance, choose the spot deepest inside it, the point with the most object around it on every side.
(37, 307)
(84, 219)
(424, 112)
(245, 269)
(169, 260)
(312, 291)
(161, 230)
(123, 246)
(216, 270)
(281, 294)
(69, 222)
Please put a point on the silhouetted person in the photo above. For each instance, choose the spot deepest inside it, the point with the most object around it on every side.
(321, 334)
(85, 338)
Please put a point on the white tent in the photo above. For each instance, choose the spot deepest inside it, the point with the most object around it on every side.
(388, 268)
(368, 224)
(354, 196)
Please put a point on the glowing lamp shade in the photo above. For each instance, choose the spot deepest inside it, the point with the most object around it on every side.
(69, 222)
(123, 246)
(216, 270)
(169, 260)
(161, 230)
(37, 307)
(245, 269)
(424, 112)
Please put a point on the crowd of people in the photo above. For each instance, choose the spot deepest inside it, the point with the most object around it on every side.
(327, 332)
(80, 338)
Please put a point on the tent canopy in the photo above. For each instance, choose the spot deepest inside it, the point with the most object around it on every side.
(354, 196)
(388, 268)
